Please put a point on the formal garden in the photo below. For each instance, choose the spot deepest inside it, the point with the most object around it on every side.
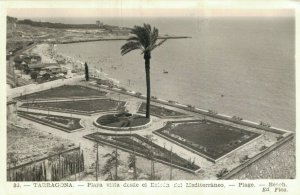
(143, 146)
(65, 91)
(67, 124)
(209, 139)
(78, 106)
(161, 112)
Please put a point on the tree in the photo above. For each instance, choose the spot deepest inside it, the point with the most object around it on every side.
(132, 163)
(144, 38)
(150, 155)
(87, 77)
(46, 76)
(112, 161)
(34, 75)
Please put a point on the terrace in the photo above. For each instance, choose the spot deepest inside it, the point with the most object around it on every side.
(213, 143)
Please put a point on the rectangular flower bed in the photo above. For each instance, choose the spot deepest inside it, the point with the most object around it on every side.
(65, 91)
(143, 147)
(67, 124)
(207, 138)
(78, 106)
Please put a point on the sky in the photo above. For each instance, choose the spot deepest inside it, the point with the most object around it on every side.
(151, 8)
(109, 12)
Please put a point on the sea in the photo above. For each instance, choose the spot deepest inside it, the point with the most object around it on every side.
(235, 66)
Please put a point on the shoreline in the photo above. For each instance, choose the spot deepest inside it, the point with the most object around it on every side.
(116, 39)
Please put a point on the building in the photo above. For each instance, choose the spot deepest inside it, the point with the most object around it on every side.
(99, 24)
(22, 61)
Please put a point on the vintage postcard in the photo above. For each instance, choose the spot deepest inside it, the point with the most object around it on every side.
(162, 97)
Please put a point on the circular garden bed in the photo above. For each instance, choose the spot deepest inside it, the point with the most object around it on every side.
(122, 122)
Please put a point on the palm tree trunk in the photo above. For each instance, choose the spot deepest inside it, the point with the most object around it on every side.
(147, 69)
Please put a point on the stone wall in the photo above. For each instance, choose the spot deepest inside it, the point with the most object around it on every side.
(278, 164)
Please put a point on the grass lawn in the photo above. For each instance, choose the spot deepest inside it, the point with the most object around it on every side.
(142, 146)
(209, 138)
(79, 105)
(160, 111)
(112, 120)
(65, 91)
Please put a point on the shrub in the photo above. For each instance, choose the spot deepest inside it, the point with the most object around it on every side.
(27, 71)
(279, 137)
(264, 124)
(46, 76)
(171, 101)
(237, 118)
(244, 158)
(263, 148)
(34, 75)
(189, 164)
(138, 94)
(222, 172)
(123, 89)
(212, 112)
(191, 107)
(71, 124)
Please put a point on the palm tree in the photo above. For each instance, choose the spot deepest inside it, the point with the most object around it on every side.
(144, 38)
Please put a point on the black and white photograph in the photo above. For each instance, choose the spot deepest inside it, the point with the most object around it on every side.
(149, 94)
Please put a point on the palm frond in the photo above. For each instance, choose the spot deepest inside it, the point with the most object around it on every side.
(141, 34)
(144, 38)
(130, 46)
(158, 44)
(154, 36)
(133, 38)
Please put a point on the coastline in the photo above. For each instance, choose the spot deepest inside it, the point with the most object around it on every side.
(116, 39)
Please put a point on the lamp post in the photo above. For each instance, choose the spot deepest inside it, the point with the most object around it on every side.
(97, 161)
(134, 156)
(171, 168)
